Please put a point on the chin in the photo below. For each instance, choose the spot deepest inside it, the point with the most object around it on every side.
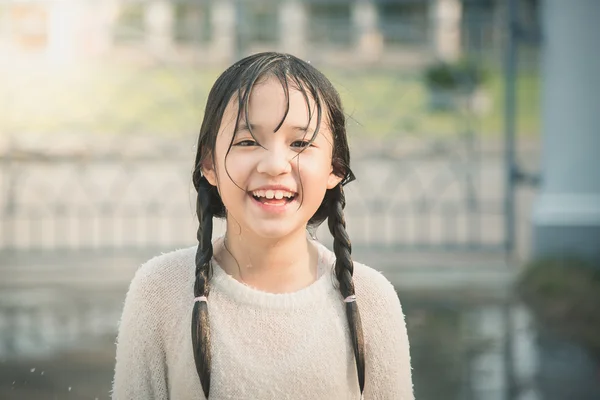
(275, 231)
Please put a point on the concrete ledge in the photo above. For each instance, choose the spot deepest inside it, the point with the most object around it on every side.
(422, 271)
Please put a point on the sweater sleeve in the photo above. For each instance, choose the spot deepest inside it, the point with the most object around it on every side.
(140, 371)
(387, 355)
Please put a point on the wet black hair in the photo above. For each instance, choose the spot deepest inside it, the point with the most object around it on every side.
(237, 82)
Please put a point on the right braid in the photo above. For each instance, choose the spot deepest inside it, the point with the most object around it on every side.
(344, 269)
(200, 323)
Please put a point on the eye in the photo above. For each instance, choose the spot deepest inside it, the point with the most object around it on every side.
(246, 143)
(300, 144)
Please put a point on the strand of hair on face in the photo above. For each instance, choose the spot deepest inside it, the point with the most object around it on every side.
(200, 322)
(344, 269)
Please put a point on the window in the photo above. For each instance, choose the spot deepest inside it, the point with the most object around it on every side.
(404, 22)
(29, 25)
(263, 26)
(330, 23)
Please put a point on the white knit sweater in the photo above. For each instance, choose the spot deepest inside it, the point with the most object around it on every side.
(264, 346)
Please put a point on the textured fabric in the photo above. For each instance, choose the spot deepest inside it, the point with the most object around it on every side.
(263, 345)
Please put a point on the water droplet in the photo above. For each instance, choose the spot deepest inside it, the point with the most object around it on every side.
(14, 382)
(69, 388)
(42, 372)
(32, 370)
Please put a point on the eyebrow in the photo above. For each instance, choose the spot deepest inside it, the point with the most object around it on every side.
(242, 126)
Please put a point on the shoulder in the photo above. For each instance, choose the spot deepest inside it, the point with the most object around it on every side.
(168, 262)
(373, 289)
(164, 273)
(152, 297)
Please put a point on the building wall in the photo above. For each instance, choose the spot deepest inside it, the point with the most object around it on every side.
(407, 32)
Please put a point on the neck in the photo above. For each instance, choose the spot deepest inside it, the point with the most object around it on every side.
(272, 265)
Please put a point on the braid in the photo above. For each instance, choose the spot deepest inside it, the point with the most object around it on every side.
(344, 268)
(200, 323)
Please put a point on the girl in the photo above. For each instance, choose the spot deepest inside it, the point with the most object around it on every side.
(274, 314)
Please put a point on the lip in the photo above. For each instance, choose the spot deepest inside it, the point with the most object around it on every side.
(272, 208)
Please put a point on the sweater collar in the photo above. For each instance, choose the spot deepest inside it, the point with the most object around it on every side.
(241, 293)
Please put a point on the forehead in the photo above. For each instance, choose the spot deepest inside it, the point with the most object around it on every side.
(271, 104)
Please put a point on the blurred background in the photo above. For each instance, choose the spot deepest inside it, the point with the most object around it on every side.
(474, 130)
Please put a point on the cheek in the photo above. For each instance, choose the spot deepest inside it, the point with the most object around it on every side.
(314, 173)
(236, 167)
(315, 165)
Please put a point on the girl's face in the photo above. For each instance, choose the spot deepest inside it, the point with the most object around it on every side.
(272, 185)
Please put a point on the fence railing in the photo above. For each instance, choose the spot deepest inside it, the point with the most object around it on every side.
(433, 196)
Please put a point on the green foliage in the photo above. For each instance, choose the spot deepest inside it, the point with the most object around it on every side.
(121, 99)
(463, 75)
(564, 296)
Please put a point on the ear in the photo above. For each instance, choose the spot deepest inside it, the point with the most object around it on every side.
(333, 180)
(208, 170)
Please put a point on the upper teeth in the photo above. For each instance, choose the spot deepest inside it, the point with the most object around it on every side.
(273, 194)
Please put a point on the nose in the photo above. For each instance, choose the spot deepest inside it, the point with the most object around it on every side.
(275, 161)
